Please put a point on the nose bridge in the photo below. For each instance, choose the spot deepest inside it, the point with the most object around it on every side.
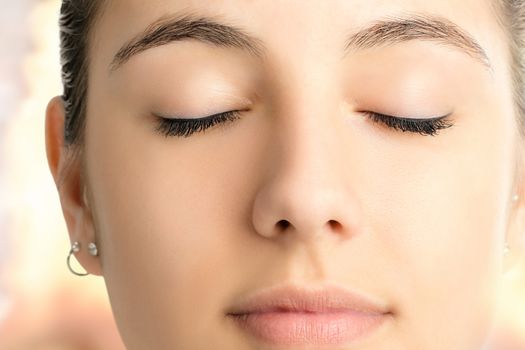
(307, 149)
(307, 190)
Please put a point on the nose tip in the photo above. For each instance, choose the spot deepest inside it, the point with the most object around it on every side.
(306, 211)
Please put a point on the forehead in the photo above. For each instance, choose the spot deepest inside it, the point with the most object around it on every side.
(288, 28)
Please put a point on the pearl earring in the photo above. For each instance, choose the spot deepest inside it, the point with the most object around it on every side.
(75, 247)
(92, 249)
(515, 198)
(506, 249)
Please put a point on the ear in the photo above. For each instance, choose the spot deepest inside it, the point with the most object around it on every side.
(65, 166)
(515, 235)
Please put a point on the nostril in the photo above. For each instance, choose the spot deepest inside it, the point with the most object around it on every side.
(283, 224)
(335, 225)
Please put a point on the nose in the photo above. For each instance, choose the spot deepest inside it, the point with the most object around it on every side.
(309, 192)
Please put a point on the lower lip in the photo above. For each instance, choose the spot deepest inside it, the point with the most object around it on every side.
(310, 328)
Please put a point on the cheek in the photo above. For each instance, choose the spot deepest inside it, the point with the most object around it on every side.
(445, 218)
(168, 221)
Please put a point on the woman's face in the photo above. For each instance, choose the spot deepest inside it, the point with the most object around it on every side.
(304, 186)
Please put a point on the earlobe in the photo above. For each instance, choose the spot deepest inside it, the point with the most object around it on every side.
(515, 237)
(89, 255)
(65, 167)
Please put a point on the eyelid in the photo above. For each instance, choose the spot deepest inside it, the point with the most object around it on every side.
(205, 115)
(424, 126)
(437, 117)
(174, 116)
(185, 127)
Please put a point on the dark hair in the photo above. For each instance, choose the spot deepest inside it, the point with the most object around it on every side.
(78, 16)
(76, 20)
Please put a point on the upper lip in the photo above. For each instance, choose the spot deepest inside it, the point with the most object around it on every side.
(324, 298)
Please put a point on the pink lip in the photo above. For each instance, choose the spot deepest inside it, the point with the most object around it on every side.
(290, 315)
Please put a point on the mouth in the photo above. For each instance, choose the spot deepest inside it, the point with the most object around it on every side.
(292, 315)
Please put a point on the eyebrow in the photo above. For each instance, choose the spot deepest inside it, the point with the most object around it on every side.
(189, 26)
(384, 32)
(395, 30)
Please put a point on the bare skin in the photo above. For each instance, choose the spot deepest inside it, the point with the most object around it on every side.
(186, 226)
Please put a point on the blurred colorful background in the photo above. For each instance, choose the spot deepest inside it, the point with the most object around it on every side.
(42, 305)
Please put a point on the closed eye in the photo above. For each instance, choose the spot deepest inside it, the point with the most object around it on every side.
(185, 127)
(422, 126)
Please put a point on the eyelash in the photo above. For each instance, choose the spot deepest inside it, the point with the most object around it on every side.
(425, 126)
(183, 127)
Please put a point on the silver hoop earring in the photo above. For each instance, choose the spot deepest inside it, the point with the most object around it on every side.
(92, 249)
(75, 248)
